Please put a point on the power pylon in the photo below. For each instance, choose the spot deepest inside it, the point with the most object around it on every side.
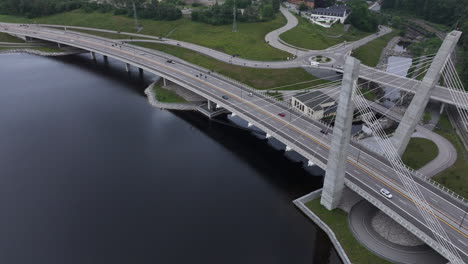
(234, 22)
(135, 15)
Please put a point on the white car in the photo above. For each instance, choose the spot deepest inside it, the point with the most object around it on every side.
(386, 193)
(250, 94)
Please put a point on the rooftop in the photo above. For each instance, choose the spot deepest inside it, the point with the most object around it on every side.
(314, 99)
(336, 10)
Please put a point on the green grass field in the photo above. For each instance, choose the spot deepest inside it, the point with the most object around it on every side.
(369, 54)
(419, 152)
(166, 96)
(338, 222)
(257, 78)
(455, 178)
(248, 41)
(310, 36)
(8, 38)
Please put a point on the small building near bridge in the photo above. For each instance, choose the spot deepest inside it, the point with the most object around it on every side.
(315, 104)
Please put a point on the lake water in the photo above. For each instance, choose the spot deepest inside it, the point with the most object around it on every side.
(91, 173)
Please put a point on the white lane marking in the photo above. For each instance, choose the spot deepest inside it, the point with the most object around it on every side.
(462, 242)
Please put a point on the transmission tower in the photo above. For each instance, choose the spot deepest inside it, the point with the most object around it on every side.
(234, 22)
(135, 15)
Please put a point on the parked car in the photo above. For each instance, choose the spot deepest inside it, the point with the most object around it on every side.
(224, 97)
(282, 114)
(386, 193)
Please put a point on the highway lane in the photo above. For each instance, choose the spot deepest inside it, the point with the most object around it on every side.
(262, 113)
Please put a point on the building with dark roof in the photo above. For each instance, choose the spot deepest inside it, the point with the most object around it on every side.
(314, 104)
(332, 13)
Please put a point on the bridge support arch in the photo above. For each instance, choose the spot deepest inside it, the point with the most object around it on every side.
(416, 108)
(335, 173)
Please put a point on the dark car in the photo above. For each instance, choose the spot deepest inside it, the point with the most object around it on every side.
(224, 97)
(323, 132)
(170, 61)
(282, 114)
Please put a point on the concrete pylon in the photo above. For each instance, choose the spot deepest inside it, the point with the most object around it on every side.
(335, 173)
(93, 55)
(416, 109)
(127, 67)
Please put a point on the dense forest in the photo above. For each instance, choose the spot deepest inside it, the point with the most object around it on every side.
(257, 11)
(452, 13)
(164, 10)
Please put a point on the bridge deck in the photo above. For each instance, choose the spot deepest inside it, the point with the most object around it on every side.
(371, 173)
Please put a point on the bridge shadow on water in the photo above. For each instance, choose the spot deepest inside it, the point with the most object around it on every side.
(283, 173)
(112, 70)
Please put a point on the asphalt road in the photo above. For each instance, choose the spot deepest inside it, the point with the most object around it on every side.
(371, 172)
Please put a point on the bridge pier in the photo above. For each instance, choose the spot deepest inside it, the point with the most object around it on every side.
(335, 174)
(211, 105)
(141, 71)
(416, 109)
(106, 60)
(127, 67)
(442, 108)
(59, 45)
(93, 55)
(165, 84)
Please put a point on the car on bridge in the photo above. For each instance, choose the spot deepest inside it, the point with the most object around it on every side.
(282, 114)
(224, 97)
(386, 193)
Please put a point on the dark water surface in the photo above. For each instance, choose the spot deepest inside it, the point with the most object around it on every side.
(91, 173)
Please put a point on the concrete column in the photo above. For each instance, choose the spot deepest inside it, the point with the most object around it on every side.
(127, 67)
(165, 84)
(211, 105)
(141, 71)
(336, 165)
(416, 109)
(59, 45)
(93, 55)
(442, 108)
(106, 60)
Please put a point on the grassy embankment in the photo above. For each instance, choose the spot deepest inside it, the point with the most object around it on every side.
(166, 96)
(419, 152)
(10, 39)
(454, 178)
(310, 36)
(257, 78)
(337, 221)
(369, 54)
(248, 41)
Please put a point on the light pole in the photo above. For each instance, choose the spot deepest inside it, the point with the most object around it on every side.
(461, 223)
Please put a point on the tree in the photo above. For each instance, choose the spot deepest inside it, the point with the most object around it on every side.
(267, 12)
(396, 22)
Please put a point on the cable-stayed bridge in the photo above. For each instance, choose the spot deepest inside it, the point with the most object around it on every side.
(432, 214)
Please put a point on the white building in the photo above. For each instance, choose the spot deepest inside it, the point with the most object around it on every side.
(315, 104)
(330, 15)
